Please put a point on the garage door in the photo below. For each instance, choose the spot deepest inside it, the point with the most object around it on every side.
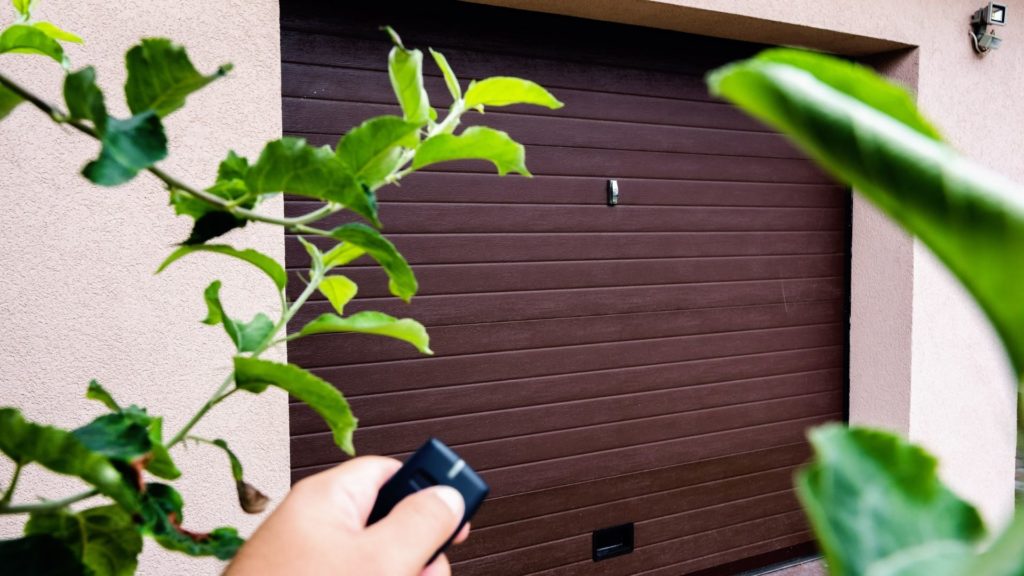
(656, 363)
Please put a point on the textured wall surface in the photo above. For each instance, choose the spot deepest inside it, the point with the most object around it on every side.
(80, 299)
(923, 358)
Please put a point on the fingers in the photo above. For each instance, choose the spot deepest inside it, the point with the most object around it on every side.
(439, 567)
(349, 490)
(417, 527)
(462, 535)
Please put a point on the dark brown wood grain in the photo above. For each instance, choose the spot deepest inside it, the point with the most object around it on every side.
(658, 362)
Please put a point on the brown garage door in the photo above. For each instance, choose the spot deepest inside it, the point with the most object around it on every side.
(657, 362)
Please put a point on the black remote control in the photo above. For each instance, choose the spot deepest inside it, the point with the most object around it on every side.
(432, 465)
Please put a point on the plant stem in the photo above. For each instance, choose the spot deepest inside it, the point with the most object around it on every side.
(171, 182)
(14, 483)
(47, 505)
(219, 396)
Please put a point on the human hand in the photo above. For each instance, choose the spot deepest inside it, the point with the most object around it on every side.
(320, 528)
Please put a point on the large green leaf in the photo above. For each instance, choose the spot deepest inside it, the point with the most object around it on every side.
(161, 76)
(870, 494)
(475, 143)
(128, 146)
(374, 149)
(8, 101)
(338, 290)
(27, 39)
(59, 450)
(401, 280)
(163, 516)
(268, 265)
(939, 558)
(255, 375)
(1005, 557)
(290, 165)
(247, 336)
(506, 91)
(122, 429)
(449, 75)
(104, 539)
(116, 436)
(369, 322)
(39, 555)
(405, 68)
(971, 218)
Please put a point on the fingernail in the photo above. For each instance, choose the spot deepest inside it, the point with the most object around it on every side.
(451, 497)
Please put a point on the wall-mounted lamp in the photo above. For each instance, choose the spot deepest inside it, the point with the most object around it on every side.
(985, 40)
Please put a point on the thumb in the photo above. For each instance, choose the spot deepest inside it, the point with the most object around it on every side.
(415, 528)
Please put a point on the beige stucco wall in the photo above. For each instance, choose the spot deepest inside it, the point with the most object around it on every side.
(923, 359)
(80, 299)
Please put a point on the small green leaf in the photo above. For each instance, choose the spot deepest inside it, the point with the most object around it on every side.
(60, 451)
(373, 150)
(341, 254)
(939, 558)
(506, 91)
(115, 436)
(24, 7)
(247, 336)
(8, 101)
(84, 98)
(339, 290)
(234, 167)
(56, 33)
(268, 265)
(405, 68)
(251, 500)
(449, 76)
(162, 516)
(370, 322)
(161, 76)
(27, 39)
(290, 165)
(160, 462)
(128, 146)
(255, 375)
(316, 258)
(477, 142)
(104, 539)
(39, 555)
(401, 280)
(98, 392)
(870, 494)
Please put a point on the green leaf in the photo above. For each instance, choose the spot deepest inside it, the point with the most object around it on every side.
(268, 265)
(370, 322)
(316, 258)
(970, 217)
(1005, 557)
(211, 225)
(115, 436)
(160, 462)
(98, 392)
(405, 68)
(373, 150)
(506, 91)
(341, 254)
(870, 494)
(161, 76)
(39, 555)
(290, 165)
(247, 336)
(162, 515)
(401, 280)
(105, 539)
(24, 7)
(476, 142)
(255, 375)
(939, 558)
(8, 101)
(84, 99)
(251, 500)
(56, 33)
(60, 451)
(128, 146)
(27, 39)
(449, 75)
(858, 82)
(338, 290)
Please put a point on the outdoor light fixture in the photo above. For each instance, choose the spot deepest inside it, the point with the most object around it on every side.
(985, 40)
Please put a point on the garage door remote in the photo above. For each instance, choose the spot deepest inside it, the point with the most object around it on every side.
(433, 464)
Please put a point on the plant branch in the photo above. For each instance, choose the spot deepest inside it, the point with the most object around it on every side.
(6, 499)
(219, 396)
(47, 505)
